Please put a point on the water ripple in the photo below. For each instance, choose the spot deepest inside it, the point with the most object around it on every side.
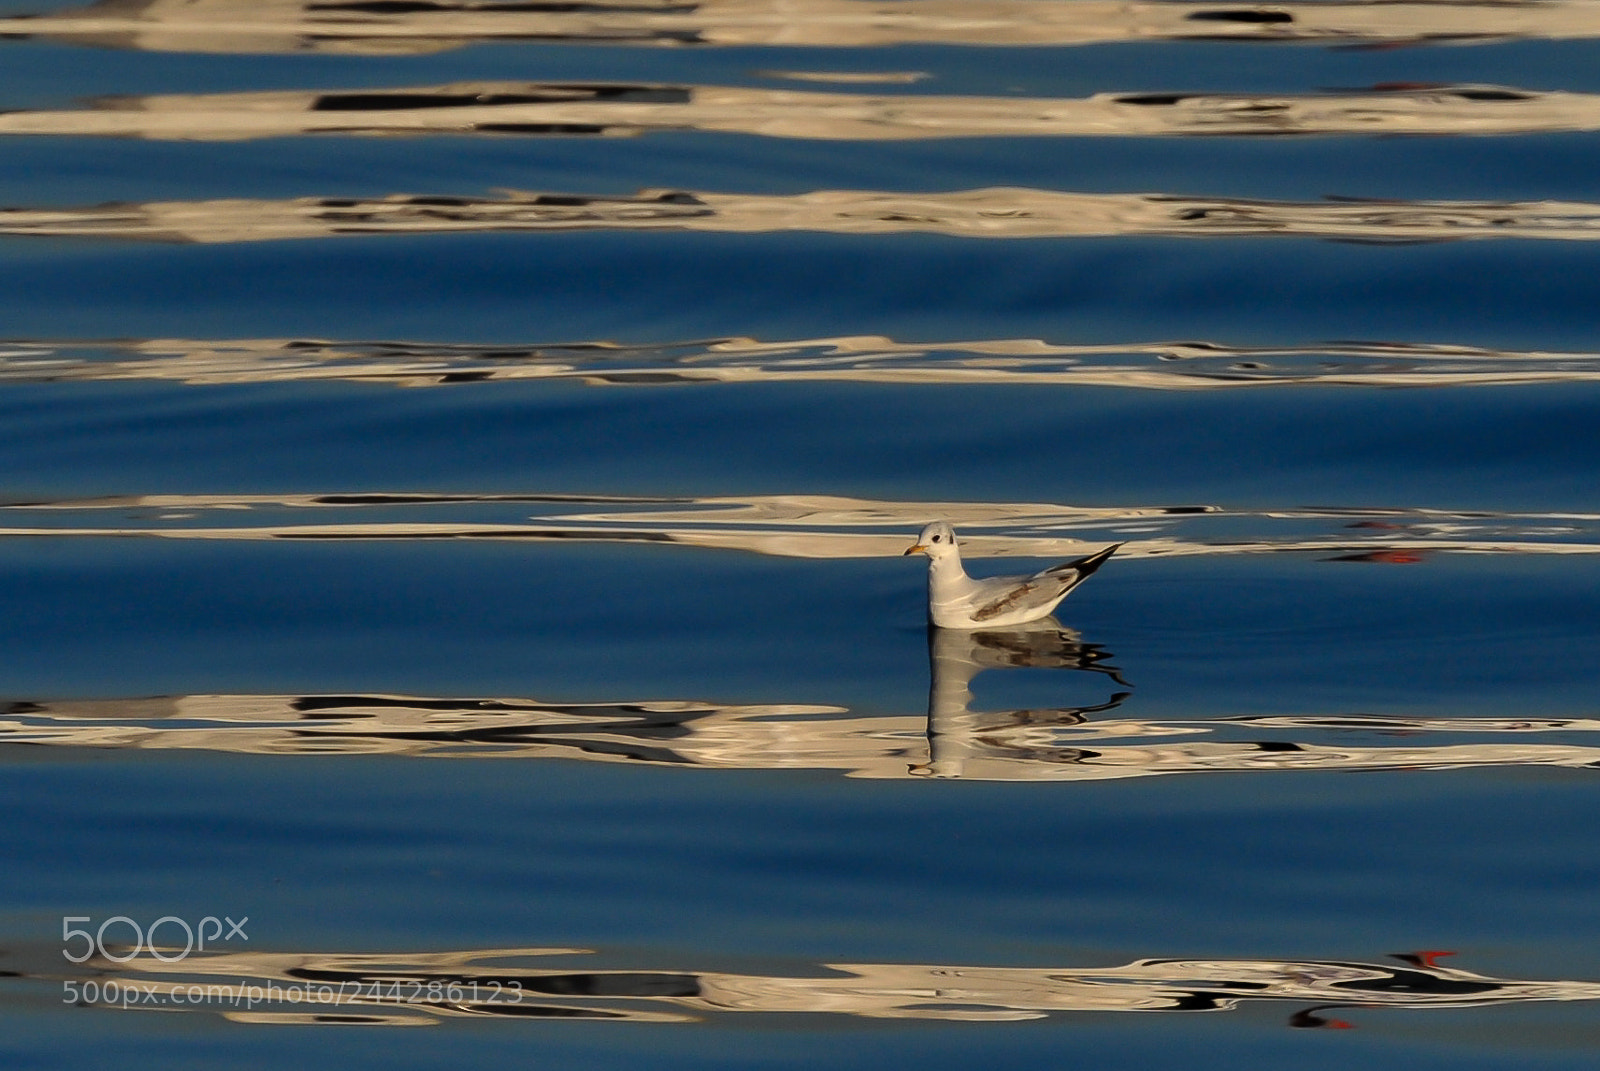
(814, 526)
(1159, 365)
(623, 109)
(1067, 744)
(981, 213)
(386, 28)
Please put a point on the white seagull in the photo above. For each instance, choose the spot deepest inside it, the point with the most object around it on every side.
(955, 600)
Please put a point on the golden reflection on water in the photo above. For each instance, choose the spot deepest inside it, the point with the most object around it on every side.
(1159, 365)
(980, 213)
(813, 526)
(1069, 743)
(429, 987)
(367, 27)
(617, 110)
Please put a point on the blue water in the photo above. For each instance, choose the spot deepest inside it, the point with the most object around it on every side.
(507, 594)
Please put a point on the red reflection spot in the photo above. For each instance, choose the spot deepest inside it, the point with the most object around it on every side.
(1429, 959)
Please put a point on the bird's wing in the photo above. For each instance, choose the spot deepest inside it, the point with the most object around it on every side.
(1003, 594)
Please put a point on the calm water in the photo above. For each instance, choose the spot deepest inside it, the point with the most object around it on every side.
(456, 462)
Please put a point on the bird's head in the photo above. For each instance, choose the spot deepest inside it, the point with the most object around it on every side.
(936, 541)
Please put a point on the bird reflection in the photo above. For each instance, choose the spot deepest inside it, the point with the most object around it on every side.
(957, 735)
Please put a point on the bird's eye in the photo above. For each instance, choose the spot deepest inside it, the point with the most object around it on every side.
(936, 539)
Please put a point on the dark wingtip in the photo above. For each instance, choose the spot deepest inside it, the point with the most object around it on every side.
(1085, 566)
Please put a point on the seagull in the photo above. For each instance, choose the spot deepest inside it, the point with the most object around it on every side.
(955, 600)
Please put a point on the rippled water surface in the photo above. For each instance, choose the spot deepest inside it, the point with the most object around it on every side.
(455, 464)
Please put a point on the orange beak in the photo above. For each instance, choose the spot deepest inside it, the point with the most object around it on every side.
(915, 548)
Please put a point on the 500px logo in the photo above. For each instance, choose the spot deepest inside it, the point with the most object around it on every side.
(145, 940)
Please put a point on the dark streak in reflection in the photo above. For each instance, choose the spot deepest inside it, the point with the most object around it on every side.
(1245, 15)
(391, 498)
(1491, 94)
(550, 93)
(1153, 99)
(1309, 1018)
(1417, 981)
(622, 984)
(585, 129)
